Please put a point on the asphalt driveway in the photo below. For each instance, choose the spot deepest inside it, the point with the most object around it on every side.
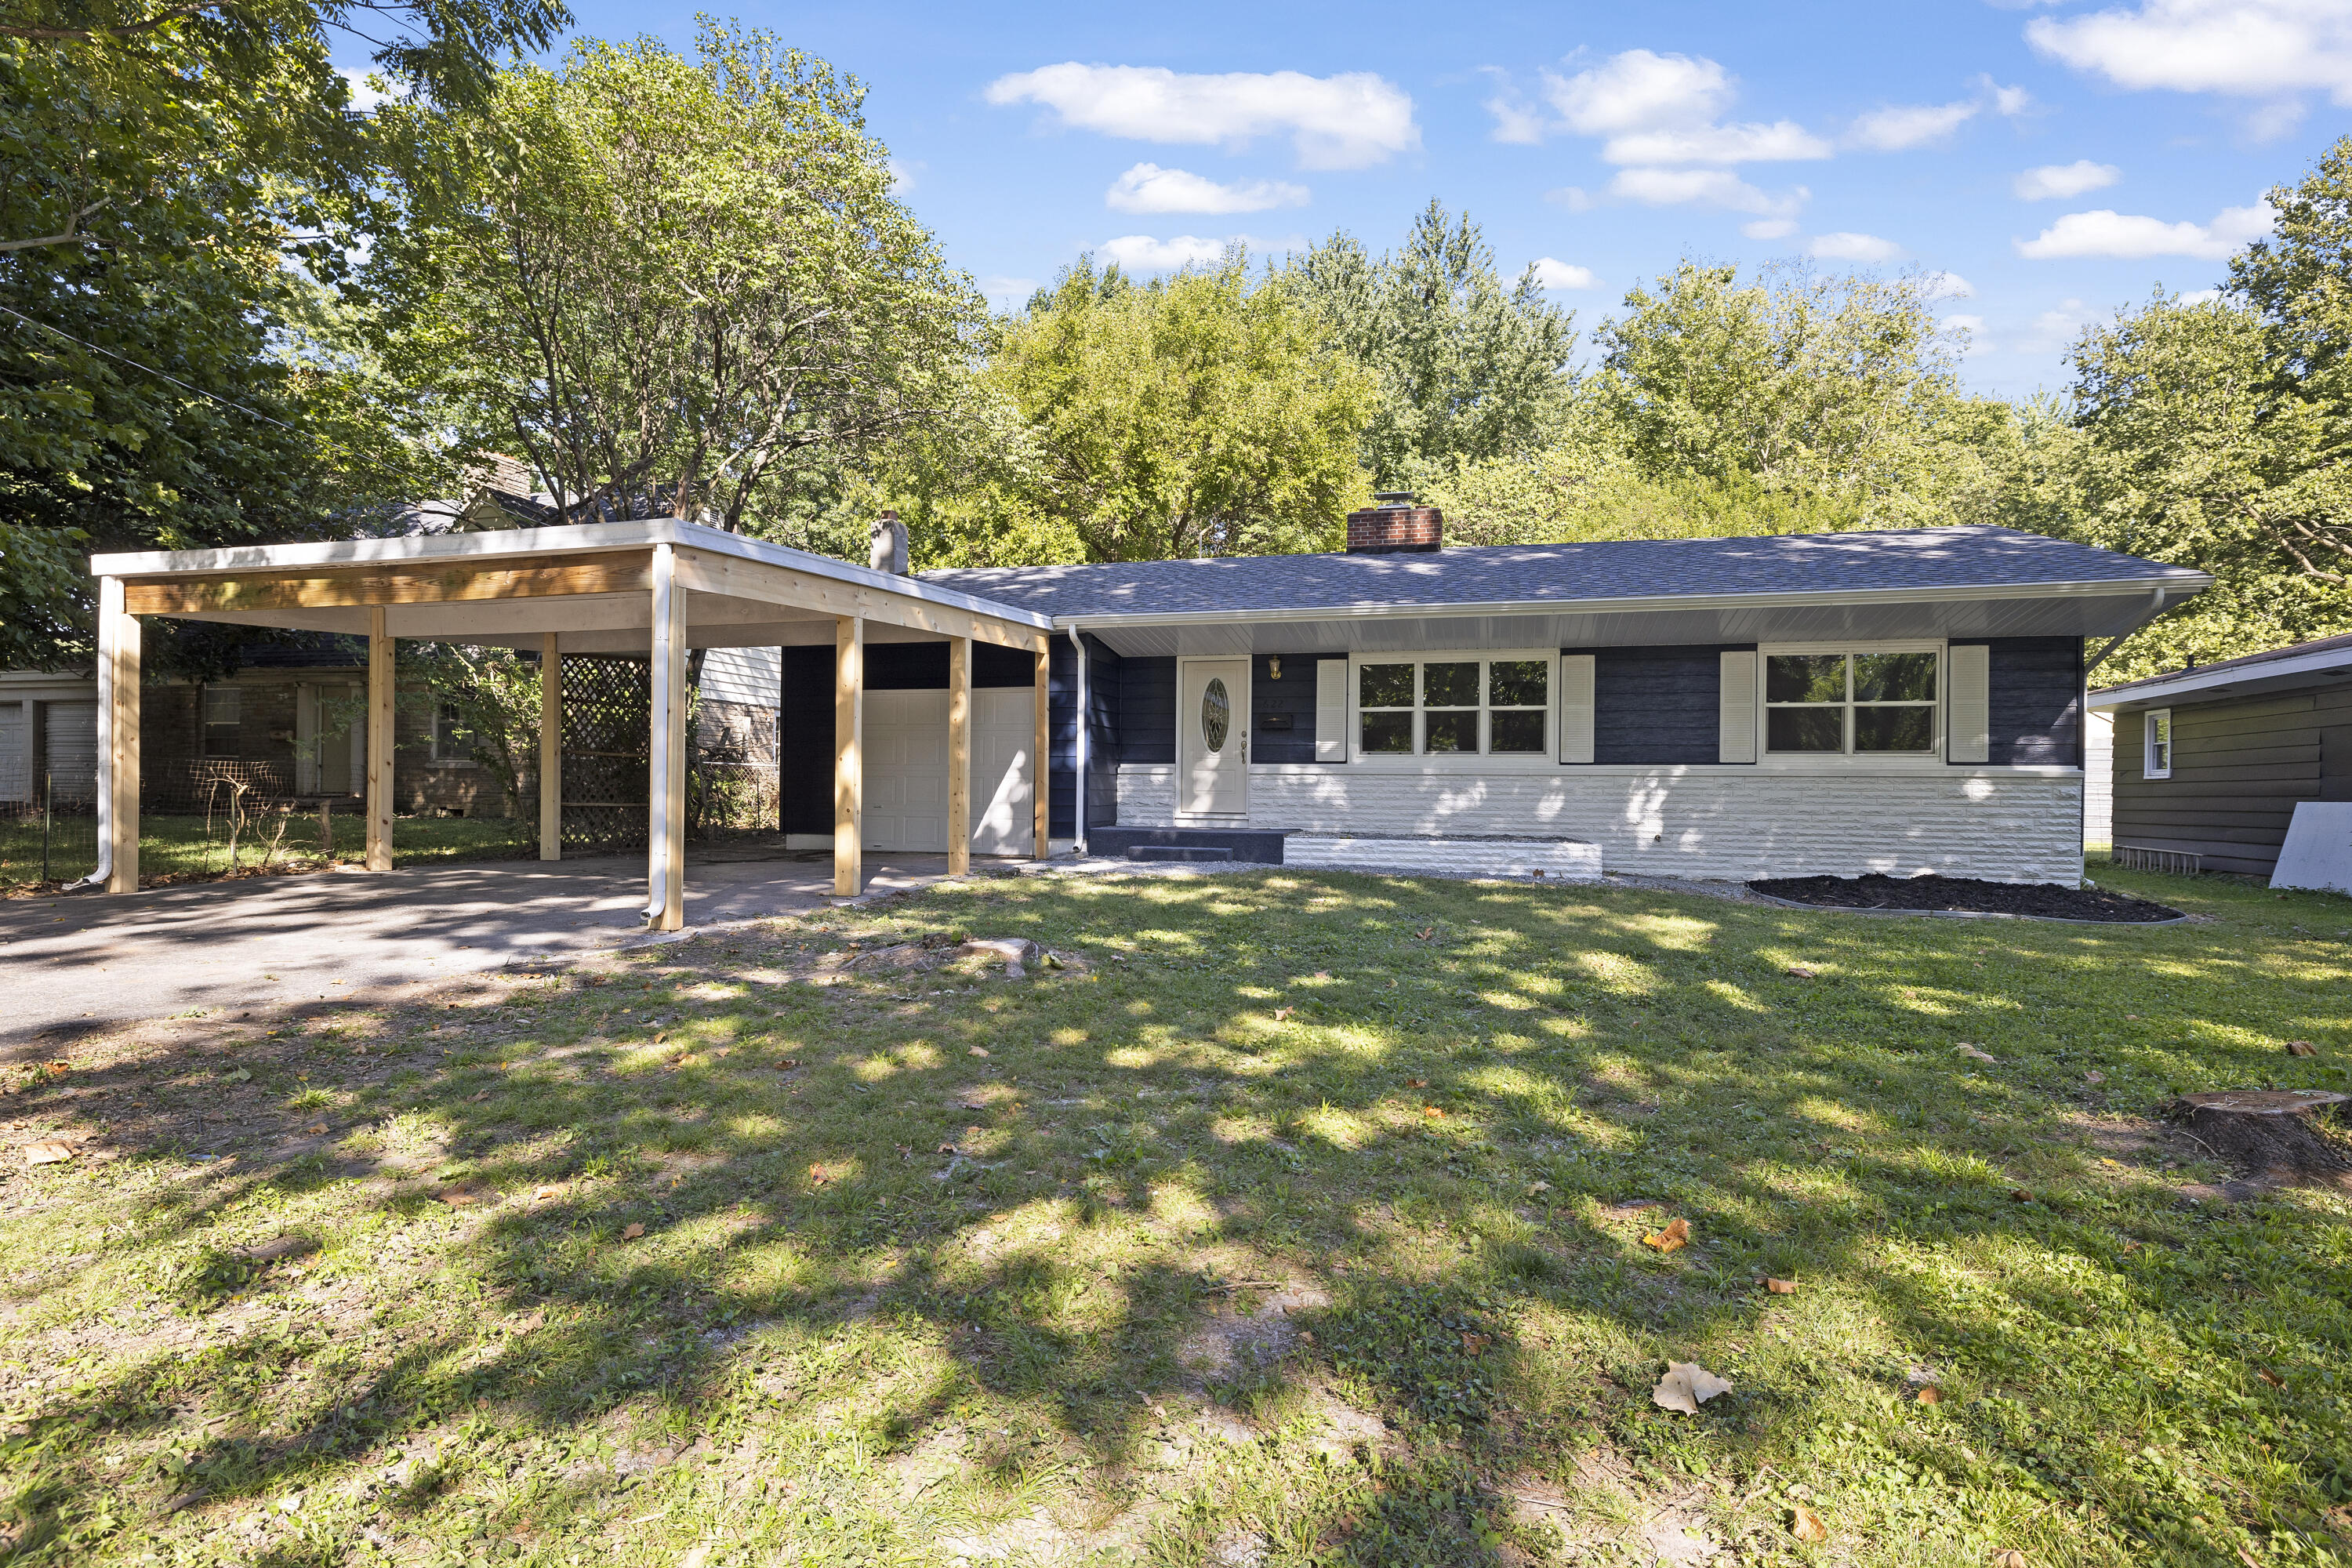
(75, 965)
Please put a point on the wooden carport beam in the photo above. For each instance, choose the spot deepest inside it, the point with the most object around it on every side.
(378, 743)
(959, 756)
(848, 756)
(666, 893)
(118, 653)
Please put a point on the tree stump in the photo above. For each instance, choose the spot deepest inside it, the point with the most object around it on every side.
(2266, 1131)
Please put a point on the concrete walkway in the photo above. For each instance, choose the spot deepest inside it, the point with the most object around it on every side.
(73, 965)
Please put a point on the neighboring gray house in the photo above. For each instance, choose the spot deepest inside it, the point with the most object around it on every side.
(2210, 763)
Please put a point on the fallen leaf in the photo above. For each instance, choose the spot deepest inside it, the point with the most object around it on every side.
(1930, 1395)
(979, 1051)
(1535, 1187)
(457, 1197)
(1474, 1344)
(1322, 975)
(634, 1229)
(1972, 1052)
(2248, 1558)
(2300, 1047)
(48, 1152)
(544, 1195)
(1417, 1083)
(948, 1148)
(2267, 1376)
(2094, 1076)
(1675, 1237)
(785, 1062)
(1431, 1111)
(2020, 1194)
(1805, 1524)
(316, 1128)
(482, 1097)
(1687, 1386)
(1799, 972)
(2132, 1247)
(2009, 1560)
(1424, 935)
(817, 1176)
(1780, 1287)
(1282, 1013)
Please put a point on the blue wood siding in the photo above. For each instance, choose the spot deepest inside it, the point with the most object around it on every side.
(1147, 731)
(1658, 705)
(2033, 699)
(1104, 706)
(1292, 696)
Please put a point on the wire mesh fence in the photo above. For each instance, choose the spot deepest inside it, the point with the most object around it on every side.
(48, 839)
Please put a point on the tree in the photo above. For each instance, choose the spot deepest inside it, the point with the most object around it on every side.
(160, 166)
(1467, 368)
(672, 285)
(1199, 415)
(1797, 381)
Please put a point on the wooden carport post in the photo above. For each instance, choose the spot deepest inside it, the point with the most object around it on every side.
(118, 633)
(849, 755)
(379, 743)
(959, 756)
(550, 750)
(666, 900)
(1040, 765)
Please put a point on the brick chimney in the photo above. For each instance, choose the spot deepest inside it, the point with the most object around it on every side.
(1394, 526)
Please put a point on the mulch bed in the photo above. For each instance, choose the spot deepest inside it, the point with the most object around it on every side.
(1964, 894)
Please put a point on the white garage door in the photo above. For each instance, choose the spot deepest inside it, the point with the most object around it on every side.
(906, 771)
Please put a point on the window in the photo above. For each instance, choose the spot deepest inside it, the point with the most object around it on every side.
(222, 717)
(452, 741)
(2155, 761)
(1454, 707)
(1833, 704)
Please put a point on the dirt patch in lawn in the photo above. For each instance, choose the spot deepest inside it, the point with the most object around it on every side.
(1965, 895)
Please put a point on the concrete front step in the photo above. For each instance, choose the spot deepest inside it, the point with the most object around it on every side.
(1563, 859)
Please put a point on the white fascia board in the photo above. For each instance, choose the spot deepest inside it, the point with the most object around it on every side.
(585, 538)
(2217, 678)
(2180, 585)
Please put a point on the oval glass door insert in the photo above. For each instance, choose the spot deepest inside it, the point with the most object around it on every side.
(1217, 715)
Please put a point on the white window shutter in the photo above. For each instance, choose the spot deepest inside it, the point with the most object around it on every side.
(1576, 707)
(1970, 736)
(1735, 709)
(1331, 709)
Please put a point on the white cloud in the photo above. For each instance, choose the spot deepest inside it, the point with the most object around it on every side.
(1008, 289)
(1149, 188)
(2006, 101)
(2054, 328)
(2201, 296)
(2124, 237)
(2242, 48)
(1910, 125)
(1779, 142)
(1346, 121)
(2059, 180)
(1552, 274)
(1845, 245)
(1704, 188)
(1969, 326)
(1769, 228)
(1142, 253)
(1949, 286)
(366, 95)
(1575, 198)
(903, 175)
(1651, 109)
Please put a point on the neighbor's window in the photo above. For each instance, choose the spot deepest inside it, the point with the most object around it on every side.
(222, 717)
(452, 741)
(1441, 707)
(1850, 703)
(2157, 762)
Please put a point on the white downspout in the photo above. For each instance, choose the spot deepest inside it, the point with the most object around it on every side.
(110, 610)
(1076, 643)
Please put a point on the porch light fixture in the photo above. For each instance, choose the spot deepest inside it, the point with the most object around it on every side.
(1274, 668)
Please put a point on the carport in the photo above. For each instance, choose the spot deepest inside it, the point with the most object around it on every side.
(657, 587)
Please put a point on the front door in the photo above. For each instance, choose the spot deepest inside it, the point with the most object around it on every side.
(1212, 738)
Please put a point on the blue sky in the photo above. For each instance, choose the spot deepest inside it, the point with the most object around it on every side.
(2055, 161)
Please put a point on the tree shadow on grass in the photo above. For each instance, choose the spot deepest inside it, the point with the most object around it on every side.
(897, 1291)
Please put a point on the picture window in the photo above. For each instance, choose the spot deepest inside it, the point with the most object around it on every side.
(1858, 704)
(1454, 707)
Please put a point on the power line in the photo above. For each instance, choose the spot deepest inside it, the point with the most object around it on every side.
(159, 376)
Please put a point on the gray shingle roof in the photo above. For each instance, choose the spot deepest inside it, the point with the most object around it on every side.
(1562, 573)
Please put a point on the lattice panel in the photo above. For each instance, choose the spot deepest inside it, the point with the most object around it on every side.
(607, 747)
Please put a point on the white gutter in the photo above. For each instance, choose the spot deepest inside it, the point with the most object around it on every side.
(1078, 644)
(2156, 688)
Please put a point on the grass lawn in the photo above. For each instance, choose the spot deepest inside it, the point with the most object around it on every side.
(1286, 1224)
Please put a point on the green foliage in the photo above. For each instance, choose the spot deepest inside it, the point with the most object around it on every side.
(676, 285)
(1202, 414)
(1469, 369)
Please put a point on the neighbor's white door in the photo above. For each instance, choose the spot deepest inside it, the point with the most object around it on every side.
(1212, 737)
(906, 771)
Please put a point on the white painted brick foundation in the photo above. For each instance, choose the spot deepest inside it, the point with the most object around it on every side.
(2012, 825)
(1565, 859)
